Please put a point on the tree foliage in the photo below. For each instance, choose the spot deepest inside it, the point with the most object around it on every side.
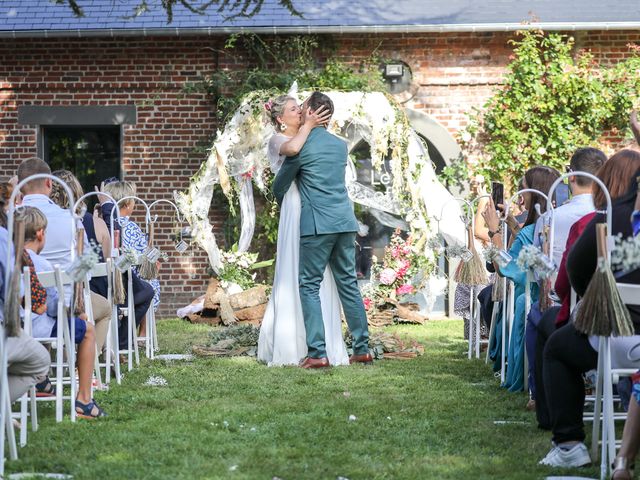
(236, 8)
(554, 101)
(275, 63)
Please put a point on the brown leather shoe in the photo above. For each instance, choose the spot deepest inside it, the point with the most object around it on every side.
(365, 358)
(315, 363)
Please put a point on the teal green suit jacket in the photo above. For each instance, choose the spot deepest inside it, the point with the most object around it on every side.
(319, 169)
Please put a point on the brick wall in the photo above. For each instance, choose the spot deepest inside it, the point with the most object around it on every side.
(452, 74)
(158, 152)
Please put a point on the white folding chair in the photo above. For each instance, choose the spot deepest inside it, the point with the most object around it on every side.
(131, 352)
(27, 403)
(605, 379)
(63, 343)
(604, 416)
(5, 409)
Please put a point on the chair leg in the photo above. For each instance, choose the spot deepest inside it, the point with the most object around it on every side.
(59, 368)
(492, 328)
(597, 410)
(34, 409)
(24, 419)
(11, 436)
(155, 336)
(477, 327)
(116, 344)
(470, 332)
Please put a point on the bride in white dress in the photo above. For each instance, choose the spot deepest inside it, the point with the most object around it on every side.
(282, 334)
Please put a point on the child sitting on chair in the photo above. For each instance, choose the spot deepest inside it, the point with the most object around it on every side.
(44, 321)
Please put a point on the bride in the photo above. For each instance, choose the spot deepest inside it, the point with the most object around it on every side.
(282, 334)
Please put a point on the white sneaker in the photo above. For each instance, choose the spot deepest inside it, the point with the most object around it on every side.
(577, 456)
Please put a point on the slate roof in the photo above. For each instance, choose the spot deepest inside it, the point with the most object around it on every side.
(42, 17)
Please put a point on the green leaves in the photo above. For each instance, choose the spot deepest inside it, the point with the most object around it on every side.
(554, 101)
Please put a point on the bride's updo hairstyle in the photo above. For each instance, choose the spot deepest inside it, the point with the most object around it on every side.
(276, 108)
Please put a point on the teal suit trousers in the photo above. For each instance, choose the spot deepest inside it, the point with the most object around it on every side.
(338, 251)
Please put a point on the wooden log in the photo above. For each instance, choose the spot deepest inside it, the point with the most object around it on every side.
(249, 298)
(251, 314)
(210, 298)
(200, 319)
(407, 315)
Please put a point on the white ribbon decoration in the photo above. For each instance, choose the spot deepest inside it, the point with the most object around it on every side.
(242, 147)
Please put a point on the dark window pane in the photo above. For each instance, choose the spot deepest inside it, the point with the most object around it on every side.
(91, 153)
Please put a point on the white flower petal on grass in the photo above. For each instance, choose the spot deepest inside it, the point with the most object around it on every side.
(233, 468)
(156, 381)
(352, 418)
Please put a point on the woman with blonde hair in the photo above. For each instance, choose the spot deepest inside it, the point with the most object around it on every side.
(97, 234)
(131, 236)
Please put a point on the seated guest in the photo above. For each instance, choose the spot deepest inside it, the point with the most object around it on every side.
(46, 324)
(587, 160)
(624, 461)
(132, 235)
(142, 291)
(569, 353)
(538, 178)
(60, 221)
(555, 317)
(28, 361)
(97, 234)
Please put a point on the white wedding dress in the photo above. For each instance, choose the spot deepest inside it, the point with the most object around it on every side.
(282, 334)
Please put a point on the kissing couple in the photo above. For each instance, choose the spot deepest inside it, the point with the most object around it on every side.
(315, 270)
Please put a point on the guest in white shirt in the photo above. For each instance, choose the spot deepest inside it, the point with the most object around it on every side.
(60, 228)
(587, 160)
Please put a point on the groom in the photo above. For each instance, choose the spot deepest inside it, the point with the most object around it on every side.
(327, 235)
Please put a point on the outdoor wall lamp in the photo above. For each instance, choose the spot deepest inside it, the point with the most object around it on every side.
(393, 72)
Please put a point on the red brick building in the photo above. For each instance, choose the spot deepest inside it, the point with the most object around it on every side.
(115, 87)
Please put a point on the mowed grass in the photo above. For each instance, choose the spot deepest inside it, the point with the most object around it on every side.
(428, 418)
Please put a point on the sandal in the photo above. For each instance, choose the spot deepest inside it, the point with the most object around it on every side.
(45, 388)
(621, 469)
(89, 410)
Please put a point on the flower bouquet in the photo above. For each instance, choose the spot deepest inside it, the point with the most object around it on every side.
(394, 280)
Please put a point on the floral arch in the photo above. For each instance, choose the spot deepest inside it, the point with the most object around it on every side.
(410, 190)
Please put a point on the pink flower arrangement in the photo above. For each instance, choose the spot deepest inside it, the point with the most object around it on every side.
(395, 277)
(403, 268)
(367, 303)
(405, 289)
(388, 276)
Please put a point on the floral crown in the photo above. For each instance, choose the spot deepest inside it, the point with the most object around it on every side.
(268, 106)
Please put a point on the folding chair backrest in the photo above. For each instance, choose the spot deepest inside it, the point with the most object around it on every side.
(629, 293)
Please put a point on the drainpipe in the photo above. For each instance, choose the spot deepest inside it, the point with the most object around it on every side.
(336, 29)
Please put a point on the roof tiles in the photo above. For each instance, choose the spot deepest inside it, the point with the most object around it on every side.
(25, 15)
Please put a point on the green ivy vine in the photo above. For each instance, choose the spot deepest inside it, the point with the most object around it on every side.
(554, 101)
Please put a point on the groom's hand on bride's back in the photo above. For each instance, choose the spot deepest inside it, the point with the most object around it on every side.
(319, 117)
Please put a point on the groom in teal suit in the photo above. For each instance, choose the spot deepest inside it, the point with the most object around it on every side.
(328, 229)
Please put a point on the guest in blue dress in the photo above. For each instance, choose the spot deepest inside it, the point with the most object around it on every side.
(538, 178)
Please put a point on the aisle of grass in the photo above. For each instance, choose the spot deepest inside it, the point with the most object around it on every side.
(428, 418)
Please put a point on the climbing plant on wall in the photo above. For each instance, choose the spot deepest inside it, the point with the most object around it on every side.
(554, 100)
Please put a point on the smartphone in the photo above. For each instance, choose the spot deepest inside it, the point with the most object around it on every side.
(561, 195)
(497, 193)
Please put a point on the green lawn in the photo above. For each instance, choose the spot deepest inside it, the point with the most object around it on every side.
(428, 418)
